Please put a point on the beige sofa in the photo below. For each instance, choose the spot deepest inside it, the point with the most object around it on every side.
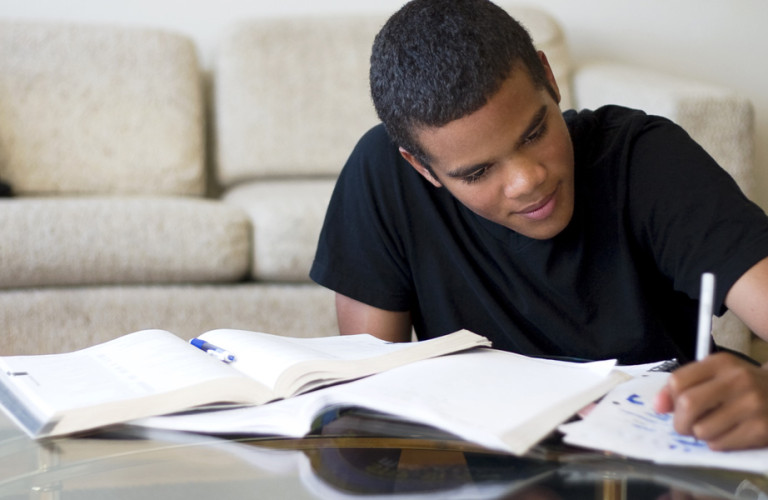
(151, 193)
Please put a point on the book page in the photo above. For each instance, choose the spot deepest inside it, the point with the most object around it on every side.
(625, 422)
(486, 396)
(266, 357)
(494, 398)
(135, 365)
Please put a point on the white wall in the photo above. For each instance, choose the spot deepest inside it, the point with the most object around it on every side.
(722, 41)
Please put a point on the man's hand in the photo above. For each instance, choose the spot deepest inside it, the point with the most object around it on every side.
(722, 400)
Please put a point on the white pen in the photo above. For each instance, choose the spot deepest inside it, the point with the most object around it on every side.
(706, 301)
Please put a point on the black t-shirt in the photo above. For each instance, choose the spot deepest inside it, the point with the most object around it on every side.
(652, 212)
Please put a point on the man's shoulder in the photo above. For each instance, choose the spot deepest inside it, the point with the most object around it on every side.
(376, 159)
(376, 139)
(611, 128)
(612, 119)
(610, 116)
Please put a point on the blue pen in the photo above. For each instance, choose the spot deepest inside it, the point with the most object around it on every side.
(213, 350)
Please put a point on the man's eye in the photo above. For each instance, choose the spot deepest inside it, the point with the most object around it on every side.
(476, 175)
(536, 135)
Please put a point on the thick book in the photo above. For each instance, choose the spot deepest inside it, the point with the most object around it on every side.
(153, 372)
(496, 399)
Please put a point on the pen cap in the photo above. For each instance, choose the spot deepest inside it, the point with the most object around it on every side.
(197, 343)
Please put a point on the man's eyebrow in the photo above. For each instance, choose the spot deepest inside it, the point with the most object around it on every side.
(461, 172)
(535, 122)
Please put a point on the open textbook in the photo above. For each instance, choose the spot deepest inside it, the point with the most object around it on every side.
(497, 399)
(625, 423)
(153, 372)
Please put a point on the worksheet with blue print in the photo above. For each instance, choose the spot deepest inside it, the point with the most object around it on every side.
(624, 422)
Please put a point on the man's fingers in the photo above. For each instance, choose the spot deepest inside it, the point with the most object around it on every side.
(663, 402)
(693, 404)
(752, 433)
(721, 400)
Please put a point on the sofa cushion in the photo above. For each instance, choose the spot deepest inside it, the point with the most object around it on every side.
(95, 109)
(286, 218)
(291, 96)
(61, 319)
(90, 241)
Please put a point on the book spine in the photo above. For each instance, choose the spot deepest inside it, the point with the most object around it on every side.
(35, 425)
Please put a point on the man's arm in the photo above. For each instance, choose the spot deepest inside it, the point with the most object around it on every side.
(748, 298)
(724, 400)
(357, 317)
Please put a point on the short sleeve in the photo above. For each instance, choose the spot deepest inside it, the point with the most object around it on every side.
(690, 213)
(361, 253)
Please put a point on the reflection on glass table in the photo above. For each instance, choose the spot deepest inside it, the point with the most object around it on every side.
(355, 455)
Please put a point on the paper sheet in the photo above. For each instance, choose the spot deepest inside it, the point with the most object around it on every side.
(625, 422)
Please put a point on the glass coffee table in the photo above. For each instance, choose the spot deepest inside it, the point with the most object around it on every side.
(354, 456)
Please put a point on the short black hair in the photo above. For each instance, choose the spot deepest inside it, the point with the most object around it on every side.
(436, 61)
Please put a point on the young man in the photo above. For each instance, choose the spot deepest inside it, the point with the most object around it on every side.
(478, 205)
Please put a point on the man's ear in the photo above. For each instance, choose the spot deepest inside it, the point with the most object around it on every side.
(424, 171)
(550, 76)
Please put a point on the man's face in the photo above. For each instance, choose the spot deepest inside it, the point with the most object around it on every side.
(511, 161)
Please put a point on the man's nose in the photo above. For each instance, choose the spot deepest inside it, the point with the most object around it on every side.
(523, 177)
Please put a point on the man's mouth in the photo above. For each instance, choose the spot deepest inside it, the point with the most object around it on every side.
(540, 210)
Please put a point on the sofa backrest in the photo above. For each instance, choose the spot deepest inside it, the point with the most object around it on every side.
(97, 109)
(291, 96)
(548, 37)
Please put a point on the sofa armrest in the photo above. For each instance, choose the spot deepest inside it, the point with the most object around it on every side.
(716, 117)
